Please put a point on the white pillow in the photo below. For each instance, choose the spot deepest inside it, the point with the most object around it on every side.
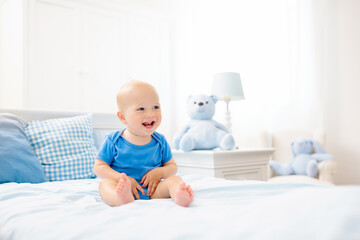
(64, 146)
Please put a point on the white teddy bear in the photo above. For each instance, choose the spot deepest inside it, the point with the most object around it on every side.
(202, 132)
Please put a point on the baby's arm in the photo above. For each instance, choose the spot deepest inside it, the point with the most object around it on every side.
(103, 170)
(152, 178)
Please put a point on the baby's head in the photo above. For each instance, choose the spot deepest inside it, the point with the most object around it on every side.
(139, 107)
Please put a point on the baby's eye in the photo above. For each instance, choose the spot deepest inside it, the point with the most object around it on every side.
(156, 107)
(140, 109)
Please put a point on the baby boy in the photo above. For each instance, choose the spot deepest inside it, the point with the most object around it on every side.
(137, 163)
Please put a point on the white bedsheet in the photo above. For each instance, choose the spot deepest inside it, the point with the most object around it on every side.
(222, 209)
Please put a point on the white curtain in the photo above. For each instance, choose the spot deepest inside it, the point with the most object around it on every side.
(270, 43)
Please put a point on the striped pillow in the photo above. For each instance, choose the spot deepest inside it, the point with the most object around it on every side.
(64, 146)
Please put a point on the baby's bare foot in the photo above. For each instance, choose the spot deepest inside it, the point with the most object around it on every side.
(183, 195)
(123, 190)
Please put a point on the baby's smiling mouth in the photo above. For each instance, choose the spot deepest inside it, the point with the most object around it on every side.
(148, 124)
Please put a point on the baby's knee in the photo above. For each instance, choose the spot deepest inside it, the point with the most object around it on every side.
(174, 179)
(106, 182)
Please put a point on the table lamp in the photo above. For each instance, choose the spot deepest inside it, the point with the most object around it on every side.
(227, 86)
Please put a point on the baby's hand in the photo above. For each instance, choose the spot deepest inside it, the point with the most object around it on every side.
(135, 187)
(151, 179)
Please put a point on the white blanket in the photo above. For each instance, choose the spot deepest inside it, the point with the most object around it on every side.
(222, 209)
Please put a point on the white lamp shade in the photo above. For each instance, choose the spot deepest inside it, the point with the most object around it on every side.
(228, 84)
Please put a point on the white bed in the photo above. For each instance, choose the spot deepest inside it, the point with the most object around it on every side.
(222, 209)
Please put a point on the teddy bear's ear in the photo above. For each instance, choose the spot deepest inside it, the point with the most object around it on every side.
(317, 147)
(214, 98)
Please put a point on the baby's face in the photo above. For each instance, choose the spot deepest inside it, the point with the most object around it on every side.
(142, 112)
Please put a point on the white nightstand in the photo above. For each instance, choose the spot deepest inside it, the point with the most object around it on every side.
(240, 164)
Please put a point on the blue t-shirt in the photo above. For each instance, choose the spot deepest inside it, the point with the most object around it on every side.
(134, 160)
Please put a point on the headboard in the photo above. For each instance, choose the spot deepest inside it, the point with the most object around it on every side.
(101, 121)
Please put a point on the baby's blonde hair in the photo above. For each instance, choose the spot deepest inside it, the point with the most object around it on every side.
(122, 95)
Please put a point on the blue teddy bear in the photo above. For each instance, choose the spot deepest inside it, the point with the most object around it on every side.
(307, 153)
(202, 132)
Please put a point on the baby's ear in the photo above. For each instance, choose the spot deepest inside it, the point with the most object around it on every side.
(214, 98)
(121, 117)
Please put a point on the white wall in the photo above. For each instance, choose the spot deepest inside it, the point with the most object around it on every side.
(342, 66)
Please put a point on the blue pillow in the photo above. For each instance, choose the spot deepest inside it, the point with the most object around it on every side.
(18, 162)
(64, 146)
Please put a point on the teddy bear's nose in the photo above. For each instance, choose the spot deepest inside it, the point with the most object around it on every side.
(200, 104)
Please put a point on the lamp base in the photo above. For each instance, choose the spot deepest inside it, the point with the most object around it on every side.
(228, 120)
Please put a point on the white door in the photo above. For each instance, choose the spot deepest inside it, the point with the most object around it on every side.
(103, 66)
(53, 57)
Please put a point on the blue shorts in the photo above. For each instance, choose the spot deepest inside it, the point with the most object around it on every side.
(142, 197)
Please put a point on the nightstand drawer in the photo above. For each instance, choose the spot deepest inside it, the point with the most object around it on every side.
(245, 174)
(241, 164)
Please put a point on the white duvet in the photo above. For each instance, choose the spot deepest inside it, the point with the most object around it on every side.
(222, 209)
